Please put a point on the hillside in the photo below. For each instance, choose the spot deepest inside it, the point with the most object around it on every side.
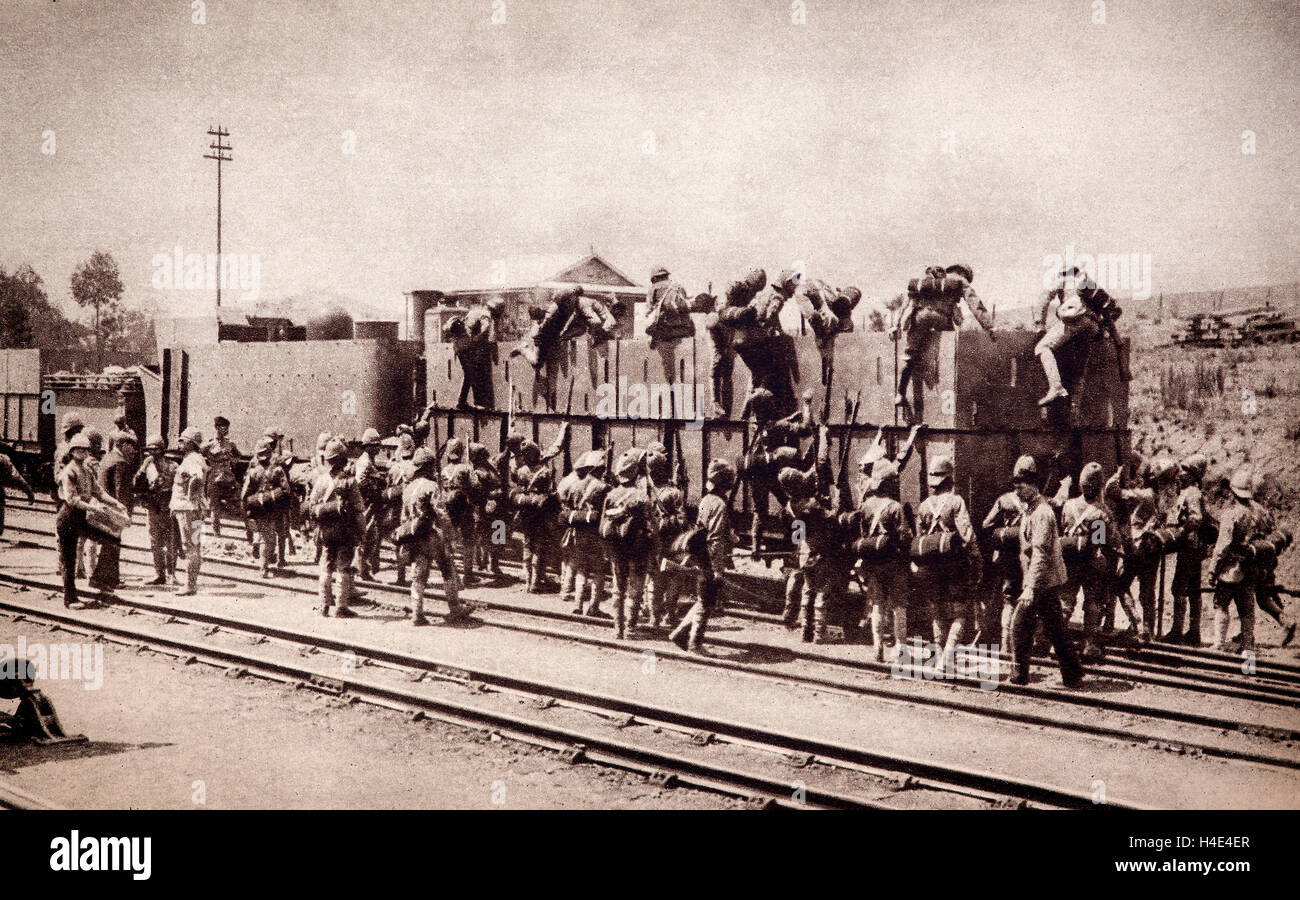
(1235, 406)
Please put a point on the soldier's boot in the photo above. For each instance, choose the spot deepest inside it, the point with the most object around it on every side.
(1221, 623)
(1248, 630)
(417, 602)
(900, 629)
(695, 642)
(326, 592)
(620, 613)
(1091, 621)
(401, 576)
(633, 613)
(1192, 637)
(878, 633)
(456, 610)
(793, 600)
(1055, 389)
(682, 633)
(819, 621)
(1176, 633)
(1006, 649)
(950, 646)
(655, 601)
(345, 594)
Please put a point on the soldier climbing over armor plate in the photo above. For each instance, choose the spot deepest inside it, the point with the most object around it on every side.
(933, 305)
(1084, 312)
(722, 336)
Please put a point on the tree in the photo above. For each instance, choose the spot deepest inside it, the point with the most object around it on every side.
(28, 319)
(97, 284)
(876, 320)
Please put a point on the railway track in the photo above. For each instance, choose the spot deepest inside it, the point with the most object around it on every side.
(1126, 734)
(812, 758)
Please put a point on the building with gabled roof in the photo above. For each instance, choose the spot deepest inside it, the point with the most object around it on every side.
(526, 281)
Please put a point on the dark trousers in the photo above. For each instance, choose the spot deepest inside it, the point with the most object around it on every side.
(476, 374)
(107, 575)
(68, 525)
(1045, 606)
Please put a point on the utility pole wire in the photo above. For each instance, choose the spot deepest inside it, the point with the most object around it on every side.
(221, 151)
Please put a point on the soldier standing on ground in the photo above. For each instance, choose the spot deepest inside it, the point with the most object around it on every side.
(713, 521)
(153, 485)
(886, 534)
(1091, 551)
(223, 486)
(1232, 570)
(336, 507)
(9, 475)
(1043, 576)
(945, 578)
(266, 489)
(1192, 520)
(188, 504)
(422, 538)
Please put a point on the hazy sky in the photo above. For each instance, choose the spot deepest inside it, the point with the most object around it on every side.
(772, 141)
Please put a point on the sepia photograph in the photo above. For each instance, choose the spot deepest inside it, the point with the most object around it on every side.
(650, 406)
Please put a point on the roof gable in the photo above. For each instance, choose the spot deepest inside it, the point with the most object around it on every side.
(593, 270)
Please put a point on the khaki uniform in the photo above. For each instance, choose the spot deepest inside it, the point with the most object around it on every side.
(1232, 568)
(340, 532)
(1044, 575)
(188, 503)
(422, 503)
(260, 484)
(153, 486)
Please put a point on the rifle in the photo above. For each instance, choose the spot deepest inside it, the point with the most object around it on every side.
(680, 478)
(842, 479)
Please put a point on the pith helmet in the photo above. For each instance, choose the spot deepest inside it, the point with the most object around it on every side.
(1025, 470)
(191, 436)
(79, 442)
(221, 422)
(1090, 479)
(963, 270)
(71, 422)
(940, 470)
(96, 439)
(883, 470)
(788, 280)
(591, 460)
(1243, 483)
(455, 449)
(785, 456)
(336, 449)
(496, 304)
(370, 436)
(1194, 465)
(795, 483)
(658, 272)
(155, 442)
(628, 464)
(721, 474)
(322, 440)
(756, 280)
(422, 458)
(478, 454)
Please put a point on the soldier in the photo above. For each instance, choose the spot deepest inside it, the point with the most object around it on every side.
(153, 485)
(1043, 576)
(1194, 524)
(223, 486)
(1002, 528)
(88, 551)
(625, 523)
(188, 505)
(588, 549)
(458, 488)
(336, 506)
(932, 305)
(670, 521)
(773, 448)
(886, 534)
(829, 313)
(1090, 548)
(668, 310)
(713, 521)
(265, 492)
(10, 475)
(371, 481)
(400, 474)
(1143, 549)
(421, 538)
(569, 492)
(761, 343)
(72, 426)
(485, 500)
(78, 489)
(722, 334)
(1084, 311)
(1233, 574)
(474, 343)
(1267, 593)
(824, 536)
(533, 497)
(570, 314)
(943, 572)
(286, 519)
(116, 479)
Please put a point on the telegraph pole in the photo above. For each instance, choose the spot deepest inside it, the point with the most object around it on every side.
(220, 156)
